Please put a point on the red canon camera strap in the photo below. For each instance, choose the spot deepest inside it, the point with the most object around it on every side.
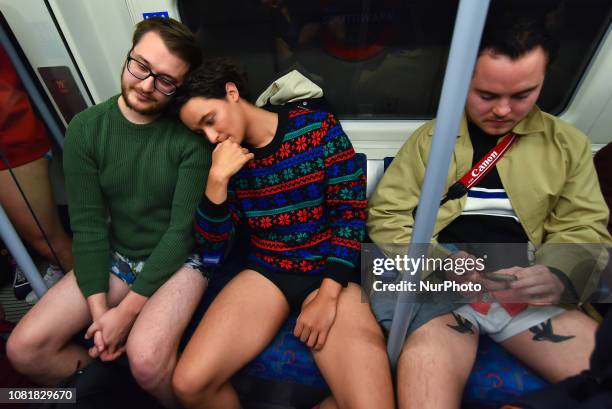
(474, 175)
(478, 171)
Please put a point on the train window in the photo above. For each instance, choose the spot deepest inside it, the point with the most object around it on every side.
(381, 59)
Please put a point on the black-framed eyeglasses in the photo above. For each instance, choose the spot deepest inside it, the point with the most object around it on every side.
(142, 72)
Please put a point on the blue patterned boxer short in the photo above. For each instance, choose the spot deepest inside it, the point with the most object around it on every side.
(127, 269)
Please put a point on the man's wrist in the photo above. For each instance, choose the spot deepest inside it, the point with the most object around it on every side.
(218, 179)
(330, 289)
(216, 187)
(97, 305)
(568, 294)
(133, 303)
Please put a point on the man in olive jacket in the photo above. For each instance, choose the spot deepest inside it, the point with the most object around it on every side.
(542, 191)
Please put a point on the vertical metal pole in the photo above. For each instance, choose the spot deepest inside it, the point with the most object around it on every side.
(469, 24)
(18, 251)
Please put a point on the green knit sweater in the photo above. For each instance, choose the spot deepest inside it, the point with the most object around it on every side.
(134, 189)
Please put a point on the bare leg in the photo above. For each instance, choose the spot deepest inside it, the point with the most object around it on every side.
(34, 180)
(354, 359)
(557, 349)
(40, 346)
(238, 325)
(328, 403)
(153, 342)
(435, 364)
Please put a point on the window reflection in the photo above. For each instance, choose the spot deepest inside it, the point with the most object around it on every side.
(379, 59)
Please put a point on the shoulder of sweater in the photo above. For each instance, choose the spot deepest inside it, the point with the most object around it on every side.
(177, 126)
(83, 126)
(321, 113)
(187, 142)
(185, 136)
(93, 113)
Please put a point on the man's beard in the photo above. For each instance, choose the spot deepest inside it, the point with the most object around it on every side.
(155, 109)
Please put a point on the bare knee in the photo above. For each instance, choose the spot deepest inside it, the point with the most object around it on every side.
(26, 350)
(18, 353)
(149, 369)
(185, 387)
(190, 387)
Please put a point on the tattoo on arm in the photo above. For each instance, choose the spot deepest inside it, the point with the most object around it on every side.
(463, 326)
(544, 332)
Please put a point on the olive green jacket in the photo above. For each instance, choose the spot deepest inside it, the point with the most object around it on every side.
(549, 177)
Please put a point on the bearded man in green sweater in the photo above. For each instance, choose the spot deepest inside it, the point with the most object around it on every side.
(134, 176)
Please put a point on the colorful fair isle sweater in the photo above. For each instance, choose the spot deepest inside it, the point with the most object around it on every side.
(303, 198)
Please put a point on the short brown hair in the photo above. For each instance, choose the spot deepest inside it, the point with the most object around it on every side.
(176, 36)
(515, 36)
